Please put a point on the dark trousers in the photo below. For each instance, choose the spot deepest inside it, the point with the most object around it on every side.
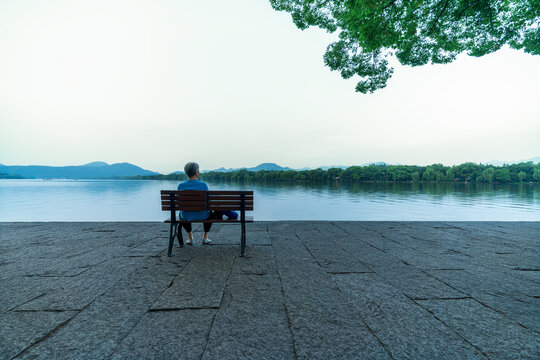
(187, 226)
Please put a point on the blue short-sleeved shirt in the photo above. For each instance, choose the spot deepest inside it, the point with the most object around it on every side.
(194, 185)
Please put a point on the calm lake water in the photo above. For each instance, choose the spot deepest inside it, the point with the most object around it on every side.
(138, 200)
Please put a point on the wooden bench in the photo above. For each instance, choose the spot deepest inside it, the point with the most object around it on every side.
(191, 200)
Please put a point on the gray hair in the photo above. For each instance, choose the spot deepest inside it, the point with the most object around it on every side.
(191, 168)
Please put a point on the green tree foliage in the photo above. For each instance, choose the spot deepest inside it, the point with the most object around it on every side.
(434, 172)
(451, 174)
(467, 172)
(440, 177)
(488, 175)
(502, 175)
(429, 174)
(417, 32)
(11, 176)
(516, 169)
(536, 174)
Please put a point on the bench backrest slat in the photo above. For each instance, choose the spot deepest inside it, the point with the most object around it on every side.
(191, 200)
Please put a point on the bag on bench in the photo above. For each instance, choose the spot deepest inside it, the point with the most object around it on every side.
(230, 214)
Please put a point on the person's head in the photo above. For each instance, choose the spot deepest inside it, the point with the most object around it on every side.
(192, 169)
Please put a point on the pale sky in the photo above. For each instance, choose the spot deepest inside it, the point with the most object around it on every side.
(235, 83)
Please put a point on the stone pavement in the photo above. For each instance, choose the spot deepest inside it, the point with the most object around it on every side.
(306, 290)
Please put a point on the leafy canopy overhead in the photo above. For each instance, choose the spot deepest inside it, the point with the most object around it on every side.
(417, 32)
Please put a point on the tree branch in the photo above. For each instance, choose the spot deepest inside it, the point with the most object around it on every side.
(463, 10)
(439, 16)
(389, 4)
(490, 14)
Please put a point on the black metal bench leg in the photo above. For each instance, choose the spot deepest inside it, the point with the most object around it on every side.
(243, 241)
(179, 234)
(171, 240)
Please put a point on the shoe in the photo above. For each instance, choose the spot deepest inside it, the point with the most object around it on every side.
(206, 242)
(189, 242)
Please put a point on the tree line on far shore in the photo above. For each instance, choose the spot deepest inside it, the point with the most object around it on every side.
(10, 176)
(467, 172)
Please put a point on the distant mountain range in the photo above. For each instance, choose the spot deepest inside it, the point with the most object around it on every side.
(275, 167)
(263, 166)
(93, 170)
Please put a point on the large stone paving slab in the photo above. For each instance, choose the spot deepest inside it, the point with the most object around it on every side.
(168, 335)
(318, 312)
(496, 294)
(405, 329)
(486, 329)
(324, 247)
(20, 290)
(350, 290)
(21, 329)
(75, 293)
(99, 328)
(199, 285)
(252, 323)
(416, 284)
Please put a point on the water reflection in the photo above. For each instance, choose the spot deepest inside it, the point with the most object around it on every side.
(137, 200)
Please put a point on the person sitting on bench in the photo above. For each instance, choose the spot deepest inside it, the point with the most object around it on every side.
(192, 171)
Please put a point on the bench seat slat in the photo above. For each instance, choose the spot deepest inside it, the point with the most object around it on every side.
(187, 203)
(229, 202)
(228, 197)
(248, 219)
(184, 208)
(185, 197)
(229, 207)
(229, 192)
(194, 192)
